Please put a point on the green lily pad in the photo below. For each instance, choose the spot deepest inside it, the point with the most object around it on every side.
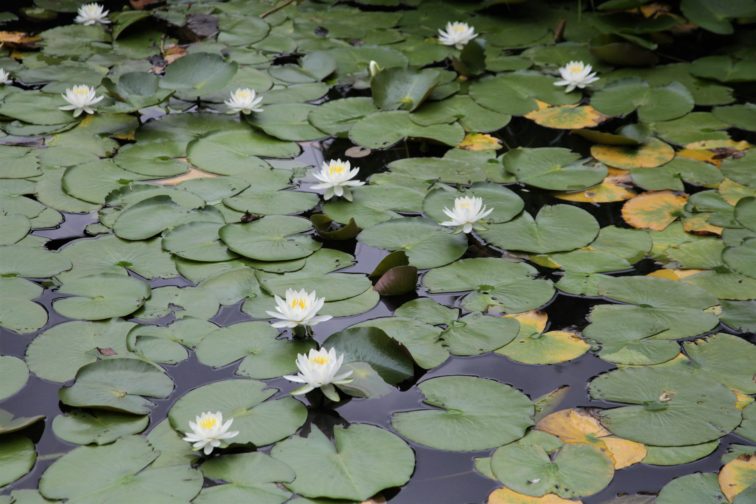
(516, 93)
(403, 88)
(13, 376)
(154, 215)
(287, 121)
(472, 117)
(676, 455)
(111, 255)
(119, 472)
(250, 477)
(541, 464)
(198, 74)
(97, 427)
(17, 457)
(381, 130)
(505, 203)
(235, 152)
(725, 358)
(428, 311)
(59, 352)
(652, 103)
(476, 334)
(700, 488)
(668, 406)
(101, 297)
(497, 284)
(361, 461)
(117, 385)
(554, 168)
(272, 238)
(422, 340)
(197, 241)
(258, 421)
(263, 354)
(426, 244)
(555, 228)
(336, 117)
(17, 310)
(168, 345)
(31, 262)
(474, 414)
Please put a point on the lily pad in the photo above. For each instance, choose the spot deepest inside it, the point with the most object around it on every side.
(101, 297)
(13, 376)
(361, 461)
(258, 421)
(117, 385)
(553, 168)
(17, 457)
(263, 355)
(97, 427)
(555, 228)
(541, 464)
(426, 244)
(668, 406)
(272, 238)
(118, 472)
(474, 414)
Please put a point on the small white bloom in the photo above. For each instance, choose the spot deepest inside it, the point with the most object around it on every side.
(468, 210)
(298, 309)
(336, 177)
(374, 68)
(209, 431)
(457, 34)
(81, 98)
(576, 74)
(5, 77)
(244, 100)
(320, 369)
(92, 13)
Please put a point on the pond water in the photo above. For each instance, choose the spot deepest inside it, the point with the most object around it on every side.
(670, 255)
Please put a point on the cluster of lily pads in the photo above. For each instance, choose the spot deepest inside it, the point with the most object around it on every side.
(536, 151)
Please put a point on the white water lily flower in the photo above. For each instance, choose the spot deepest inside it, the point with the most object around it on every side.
(209, 431)
(576, 74)
(244, 100)
(5, 77)
(468, 210)
(336, 177)
(457, 34)
(92, 13)
(81, 98)
(300, 308)
(320, 369)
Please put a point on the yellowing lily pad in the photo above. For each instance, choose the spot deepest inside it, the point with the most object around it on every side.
(649, 155)
(610, 190)
(737, 475)
(579, 426)
(699, 224)
(567, 116)
(550, 347)
(479, 142)
(507, 496)
(654, 210)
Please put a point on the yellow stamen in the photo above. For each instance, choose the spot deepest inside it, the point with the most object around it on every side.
(336, 169)
(208, 423)
(320, 360)
(243, 94)
(298, 302)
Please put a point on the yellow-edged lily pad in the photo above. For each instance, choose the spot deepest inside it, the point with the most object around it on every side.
(480, 142)
(610, 190)
(579, 426)
(699, 224)
(737, 475)
(732, 192)
(567, 116)
(654, 210)
(649, 155)
(507, 496)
